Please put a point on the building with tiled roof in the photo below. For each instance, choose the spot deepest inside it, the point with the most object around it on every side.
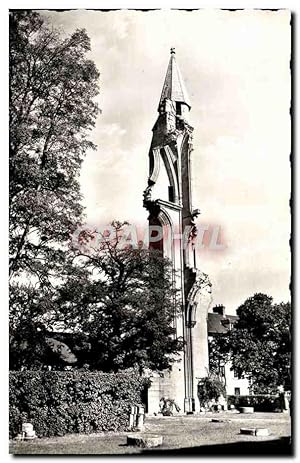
(219, 324)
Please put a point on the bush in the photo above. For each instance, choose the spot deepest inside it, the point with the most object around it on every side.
(210, 388)
(61, 402)
(261, 403)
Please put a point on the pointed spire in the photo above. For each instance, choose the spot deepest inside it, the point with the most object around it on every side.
(174, 88)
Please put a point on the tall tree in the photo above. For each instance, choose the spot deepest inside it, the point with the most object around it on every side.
(124, 301)
(52, 109)
(259, 345)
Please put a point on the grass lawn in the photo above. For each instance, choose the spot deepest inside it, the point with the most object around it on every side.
(183, 434)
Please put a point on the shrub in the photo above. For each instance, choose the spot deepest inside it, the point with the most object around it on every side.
(261, 403)
(210, 388)
(61, 402)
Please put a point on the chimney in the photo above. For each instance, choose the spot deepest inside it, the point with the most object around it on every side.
(220, 309)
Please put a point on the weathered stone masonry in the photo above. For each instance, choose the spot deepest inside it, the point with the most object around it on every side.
(170, 207)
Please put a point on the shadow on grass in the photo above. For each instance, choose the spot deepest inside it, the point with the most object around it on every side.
(277, 447)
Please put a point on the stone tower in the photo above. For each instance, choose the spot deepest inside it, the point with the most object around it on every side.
(168, 198)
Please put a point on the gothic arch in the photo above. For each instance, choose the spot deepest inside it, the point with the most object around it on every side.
(166, 222)
(154, 165)
(187, 138)
(201, 287)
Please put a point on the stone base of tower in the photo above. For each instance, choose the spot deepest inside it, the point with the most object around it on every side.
(181, 383)
(168, 385)
(199, 301)
(200, 351)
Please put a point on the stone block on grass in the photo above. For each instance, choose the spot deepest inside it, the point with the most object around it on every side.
(217, 420)
(247, 409)
(262, 432)
(259, 432)
(248, 431)
(145, 440)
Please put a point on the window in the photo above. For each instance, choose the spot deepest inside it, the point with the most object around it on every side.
(171, 194)
(178, 108)
(237, 391)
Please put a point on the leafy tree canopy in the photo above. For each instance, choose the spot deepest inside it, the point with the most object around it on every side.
(122, 306)
(259, 345)
(125, 301)
(52, 109)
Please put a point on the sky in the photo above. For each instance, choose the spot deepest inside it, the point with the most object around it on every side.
(236, 70)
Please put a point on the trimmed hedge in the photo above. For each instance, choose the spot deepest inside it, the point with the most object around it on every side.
(61, 402)
(261, 403)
